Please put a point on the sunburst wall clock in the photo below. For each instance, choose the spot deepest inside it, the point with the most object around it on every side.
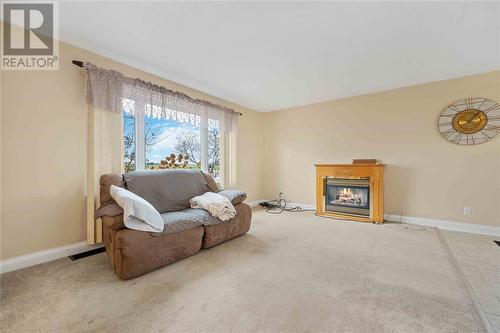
(470, 121)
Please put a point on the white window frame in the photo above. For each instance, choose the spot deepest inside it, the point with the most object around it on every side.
(140, 141)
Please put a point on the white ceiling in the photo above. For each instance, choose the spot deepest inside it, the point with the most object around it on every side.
(274, 55)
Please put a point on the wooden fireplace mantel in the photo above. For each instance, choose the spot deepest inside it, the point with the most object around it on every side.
(373, 172)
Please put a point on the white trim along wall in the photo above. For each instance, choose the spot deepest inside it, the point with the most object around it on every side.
(480, 229)
(41, 257)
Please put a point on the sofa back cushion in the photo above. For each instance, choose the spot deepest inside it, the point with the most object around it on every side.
(167, 190)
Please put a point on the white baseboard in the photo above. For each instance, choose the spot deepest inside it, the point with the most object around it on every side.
(441, 224)
(447, 225)
(304, 206)
(40, 257)
(291, 204)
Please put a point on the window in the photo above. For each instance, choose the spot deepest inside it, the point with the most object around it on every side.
(214, 166)
(164, 137)
(159, 139)
(128, 135)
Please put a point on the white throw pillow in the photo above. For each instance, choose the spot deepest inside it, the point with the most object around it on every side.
(138, 214)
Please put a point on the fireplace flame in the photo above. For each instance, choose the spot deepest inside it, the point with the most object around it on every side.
(347, 196)
(347, 192)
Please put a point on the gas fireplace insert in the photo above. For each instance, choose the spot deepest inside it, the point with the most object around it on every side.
(352, 192)
(347, 196)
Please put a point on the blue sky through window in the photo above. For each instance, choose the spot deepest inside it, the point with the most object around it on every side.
(168, 136)
(164, 136)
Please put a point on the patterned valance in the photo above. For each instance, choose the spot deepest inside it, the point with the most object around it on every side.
(111, 90)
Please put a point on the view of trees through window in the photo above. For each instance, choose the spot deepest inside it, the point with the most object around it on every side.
(213, 147)
(164, 137)
(128, 135)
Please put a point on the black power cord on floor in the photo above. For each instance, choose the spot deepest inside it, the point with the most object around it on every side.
(280, 205)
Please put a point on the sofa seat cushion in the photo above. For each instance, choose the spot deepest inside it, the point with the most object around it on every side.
(167, 190)
(237, 226)
(138, 252)
(186, 219)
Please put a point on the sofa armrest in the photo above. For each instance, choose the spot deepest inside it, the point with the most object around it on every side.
(234, 196)
(110, 226)
(111, 216)
(111, 209)
(113, 222)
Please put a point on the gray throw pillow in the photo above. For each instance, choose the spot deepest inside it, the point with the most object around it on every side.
(234, 196)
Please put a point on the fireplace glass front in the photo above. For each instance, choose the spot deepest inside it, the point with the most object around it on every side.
(348, 196)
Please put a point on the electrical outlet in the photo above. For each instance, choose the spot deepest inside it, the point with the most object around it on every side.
(467, 211)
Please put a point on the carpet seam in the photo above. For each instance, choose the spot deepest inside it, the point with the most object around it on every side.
(454, 263)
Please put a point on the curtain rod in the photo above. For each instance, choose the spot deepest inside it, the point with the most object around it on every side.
(80, 64)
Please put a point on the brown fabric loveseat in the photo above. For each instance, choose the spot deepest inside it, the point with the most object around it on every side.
(133, 253)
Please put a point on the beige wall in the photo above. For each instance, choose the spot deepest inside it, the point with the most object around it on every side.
(43, 152)
(426, 176)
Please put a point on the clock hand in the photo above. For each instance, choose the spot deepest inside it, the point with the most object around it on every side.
(473, 116)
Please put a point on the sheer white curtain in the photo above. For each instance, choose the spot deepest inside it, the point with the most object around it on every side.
(104, 156)
(108, 87)
(106, 90)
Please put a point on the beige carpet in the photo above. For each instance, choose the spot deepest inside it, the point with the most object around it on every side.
(293, 272)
